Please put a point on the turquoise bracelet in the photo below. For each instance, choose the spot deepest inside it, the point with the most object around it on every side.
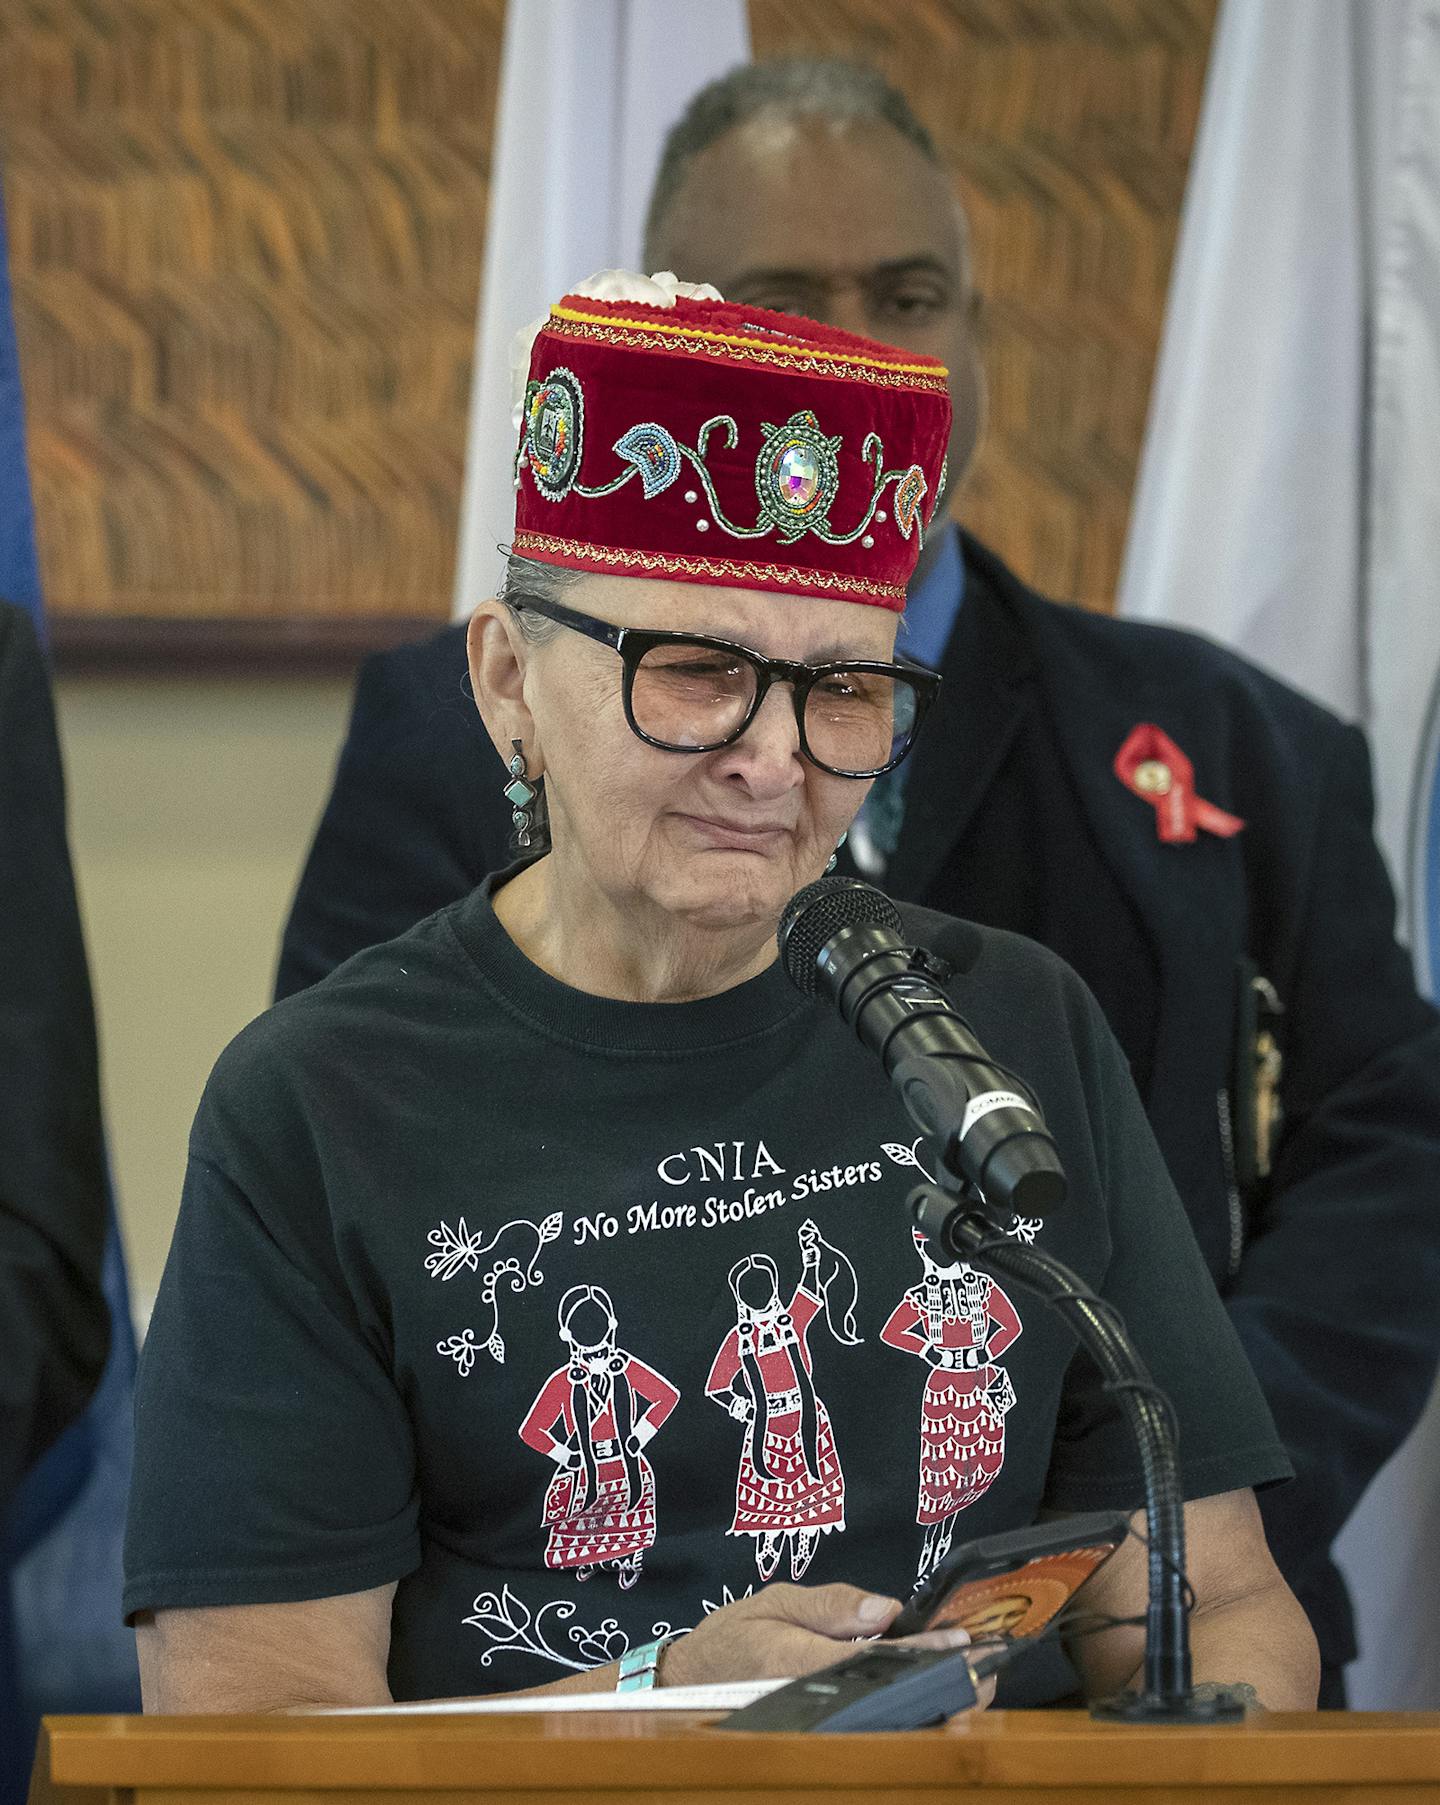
(640, 1668)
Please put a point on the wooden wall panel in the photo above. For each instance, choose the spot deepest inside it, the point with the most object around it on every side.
(245, 238)
(245, 242)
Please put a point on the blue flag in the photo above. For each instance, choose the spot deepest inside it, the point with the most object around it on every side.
(19, 566)
(62, 1644)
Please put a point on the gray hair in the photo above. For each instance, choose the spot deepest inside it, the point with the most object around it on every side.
(829, 88)
(547, 582)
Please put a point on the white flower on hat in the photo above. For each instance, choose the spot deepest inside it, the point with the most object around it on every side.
(659, 290)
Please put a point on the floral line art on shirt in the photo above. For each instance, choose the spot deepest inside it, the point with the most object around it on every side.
(461, 1249)
(513, 1628)
(727, 1597)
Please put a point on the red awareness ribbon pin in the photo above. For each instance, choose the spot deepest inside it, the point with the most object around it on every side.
(1153, 767)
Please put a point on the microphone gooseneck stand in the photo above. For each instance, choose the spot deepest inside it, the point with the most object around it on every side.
(845, 942)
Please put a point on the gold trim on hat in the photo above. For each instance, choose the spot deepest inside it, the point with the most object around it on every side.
(646, 335)
(744, 571)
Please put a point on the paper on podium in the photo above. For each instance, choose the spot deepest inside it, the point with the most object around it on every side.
(728, 1696)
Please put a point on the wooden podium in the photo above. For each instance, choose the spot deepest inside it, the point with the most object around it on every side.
(1020, 1758)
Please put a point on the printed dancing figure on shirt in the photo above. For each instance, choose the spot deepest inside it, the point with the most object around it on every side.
(959, 1322)
(600, 1508)
(790, 1487)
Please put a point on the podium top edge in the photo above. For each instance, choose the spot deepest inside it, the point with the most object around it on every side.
(494, 1751)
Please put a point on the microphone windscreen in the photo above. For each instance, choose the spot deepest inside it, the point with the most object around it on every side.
(819, 911)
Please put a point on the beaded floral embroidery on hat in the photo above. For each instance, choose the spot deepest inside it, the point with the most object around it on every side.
(626, 462)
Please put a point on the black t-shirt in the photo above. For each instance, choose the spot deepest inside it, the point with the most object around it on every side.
(579, 1318)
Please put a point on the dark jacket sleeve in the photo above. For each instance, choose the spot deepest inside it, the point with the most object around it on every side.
(415, 819)
(1336, 1296)
(54, 1327)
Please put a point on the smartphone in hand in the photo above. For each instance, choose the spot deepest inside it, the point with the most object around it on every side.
(1014, 1584)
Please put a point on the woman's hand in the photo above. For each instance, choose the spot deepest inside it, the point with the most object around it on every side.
(785, 1631)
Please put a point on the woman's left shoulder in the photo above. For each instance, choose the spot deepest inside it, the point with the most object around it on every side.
(993, 956)
(1023, 1002)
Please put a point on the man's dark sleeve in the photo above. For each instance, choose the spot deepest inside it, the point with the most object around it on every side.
(54, 1326)
(1337, 1300)
(415, 819)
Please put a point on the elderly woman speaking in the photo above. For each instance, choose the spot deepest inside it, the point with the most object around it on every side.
(543, 1306)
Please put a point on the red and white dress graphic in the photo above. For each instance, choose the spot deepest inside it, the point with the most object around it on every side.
(959, 1321)
(790, 1487)
(593, 1418)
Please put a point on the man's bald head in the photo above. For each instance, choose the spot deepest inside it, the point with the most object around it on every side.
(808, 185)
(784, 87)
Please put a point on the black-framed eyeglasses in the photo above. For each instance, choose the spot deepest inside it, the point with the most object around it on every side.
(685, 692)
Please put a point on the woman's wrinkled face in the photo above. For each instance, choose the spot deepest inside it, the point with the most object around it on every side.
(720, 838)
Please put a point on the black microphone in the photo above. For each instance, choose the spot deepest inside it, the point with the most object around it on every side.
(843, 940)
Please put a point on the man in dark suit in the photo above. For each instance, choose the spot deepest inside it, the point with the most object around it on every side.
(1191, 835)
(54, 1324)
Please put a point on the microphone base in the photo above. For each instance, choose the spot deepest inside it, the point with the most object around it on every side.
(1200, 1705)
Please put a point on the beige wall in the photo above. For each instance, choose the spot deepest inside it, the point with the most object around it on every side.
(192, 803)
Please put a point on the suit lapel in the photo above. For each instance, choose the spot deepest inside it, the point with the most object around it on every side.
(986, 694)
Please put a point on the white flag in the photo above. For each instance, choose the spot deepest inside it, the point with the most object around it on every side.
(1289, 505)
(588, 90)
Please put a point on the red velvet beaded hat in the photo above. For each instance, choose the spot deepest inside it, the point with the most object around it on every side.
(712, 443)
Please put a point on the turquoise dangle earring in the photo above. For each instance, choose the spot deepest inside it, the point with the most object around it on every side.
(520, 794)
(835, 856)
